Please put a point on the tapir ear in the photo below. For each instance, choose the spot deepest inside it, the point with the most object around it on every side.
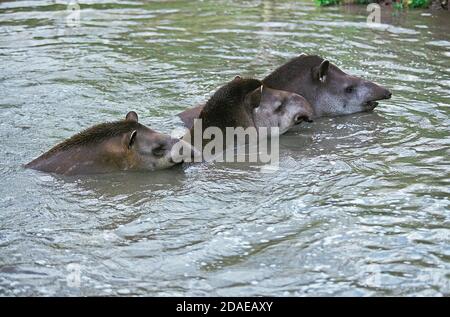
(132, 116)
(255, 96)
(321, 71)
(132, 138)
(237, 77)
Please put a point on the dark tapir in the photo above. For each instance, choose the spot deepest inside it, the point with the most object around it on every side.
(246, 103)
(124, 145)
(329, 90)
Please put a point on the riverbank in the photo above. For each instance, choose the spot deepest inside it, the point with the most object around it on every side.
(398, 4)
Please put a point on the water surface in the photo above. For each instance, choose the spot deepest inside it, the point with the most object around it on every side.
(359, 206)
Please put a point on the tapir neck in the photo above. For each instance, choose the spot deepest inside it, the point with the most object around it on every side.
(104, 157)
(299, 83)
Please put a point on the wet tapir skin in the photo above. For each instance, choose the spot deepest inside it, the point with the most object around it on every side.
(124, 145)
(330, 91)
(246, 102)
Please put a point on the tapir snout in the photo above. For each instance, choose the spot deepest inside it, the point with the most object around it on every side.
(306, 111)
(182, 151)
(379, 91)
(375, 92)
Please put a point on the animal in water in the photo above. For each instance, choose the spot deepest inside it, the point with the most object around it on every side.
(124, 145)
(247, 103)
(330, 91)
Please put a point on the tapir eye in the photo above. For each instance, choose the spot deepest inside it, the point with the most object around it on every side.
(349, 89)
(159, 151)
(279, 106)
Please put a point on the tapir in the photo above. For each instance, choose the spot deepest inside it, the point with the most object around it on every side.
(329, 90)
(124, 145)
(248, 103)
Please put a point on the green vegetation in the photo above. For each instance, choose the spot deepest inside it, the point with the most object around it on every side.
(397, 5)
(324, 3)
(416, 3)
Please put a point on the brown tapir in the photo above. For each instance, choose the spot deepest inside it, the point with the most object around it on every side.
(124, 145)
(329, 90)
(246, 102)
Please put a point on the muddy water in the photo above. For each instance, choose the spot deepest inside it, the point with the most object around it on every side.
(359, 205)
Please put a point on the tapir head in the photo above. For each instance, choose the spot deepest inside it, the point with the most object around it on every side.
(330, 91)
